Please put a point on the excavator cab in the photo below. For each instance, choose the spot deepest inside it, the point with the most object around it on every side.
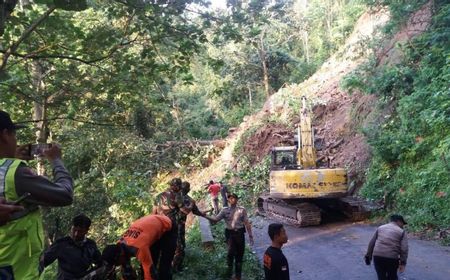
(284, 158)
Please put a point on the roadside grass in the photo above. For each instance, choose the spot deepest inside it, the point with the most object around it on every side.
(202, 263)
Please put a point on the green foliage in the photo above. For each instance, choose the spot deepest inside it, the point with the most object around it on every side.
(116, 80)
(211, 263)
(410, 170)
(112, 184)
(250, 180)
(292, 39)
(195, 157)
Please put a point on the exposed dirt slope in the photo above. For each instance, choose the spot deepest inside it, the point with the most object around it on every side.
(338, 116)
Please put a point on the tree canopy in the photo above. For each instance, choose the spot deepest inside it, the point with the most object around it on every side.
(114, 80)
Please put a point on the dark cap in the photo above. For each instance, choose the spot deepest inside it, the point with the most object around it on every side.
(233, 195)
(175, 182)
(6, 122)
(396, 217)
(82, 221)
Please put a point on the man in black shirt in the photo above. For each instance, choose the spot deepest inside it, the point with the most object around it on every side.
(276, 266)
(75, 253)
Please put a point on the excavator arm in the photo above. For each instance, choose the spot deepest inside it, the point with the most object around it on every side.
(306, 153)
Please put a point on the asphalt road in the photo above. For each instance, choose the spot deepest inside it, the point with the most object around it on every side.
(335, 252)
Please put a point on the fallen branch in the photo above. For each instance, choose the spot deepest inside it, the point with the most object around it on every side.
(216, 143)
(336, 144)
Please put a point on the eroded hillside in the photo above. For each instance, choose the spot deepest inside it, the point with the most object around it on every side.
(339, 115)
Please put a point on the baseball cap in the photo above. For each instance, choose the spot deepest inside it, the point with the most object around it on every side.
(6, 122)
(396, 217)
(233, 195)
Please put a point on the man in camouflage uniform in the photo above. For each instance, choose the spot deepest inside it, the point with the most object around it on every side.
(168, 203)
(188, 207)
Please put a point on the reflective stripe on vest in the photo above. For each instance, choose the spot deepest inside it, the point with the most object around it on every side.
(4, 167)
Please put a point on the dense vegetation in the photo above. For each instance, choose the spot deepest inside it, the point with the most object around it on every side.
(410, 169)
(210, 262)
(114, 80)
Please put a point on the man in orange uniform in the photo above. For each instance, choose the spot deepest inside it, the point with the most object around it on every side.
(144, 233)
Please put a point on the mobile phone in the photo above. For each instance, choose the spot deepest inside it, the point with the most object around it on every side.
(22, 198)
(37, 149)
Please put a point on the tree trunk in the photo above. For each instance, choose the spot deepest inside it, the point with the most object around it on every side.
(250, 99)
(40, 109)
(23, 3)
(262, 57)
(329, 19)
(305, 39)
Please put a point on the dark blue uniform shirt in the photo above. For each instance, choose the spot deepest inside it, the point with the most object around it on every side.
(74, 260)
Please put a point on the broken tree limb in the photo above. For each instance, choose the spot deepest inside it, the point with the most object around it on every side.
(336, 144)
(216, 143)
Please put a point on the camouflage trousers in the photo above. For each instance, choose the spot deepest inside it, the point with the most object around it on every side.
(177, 263)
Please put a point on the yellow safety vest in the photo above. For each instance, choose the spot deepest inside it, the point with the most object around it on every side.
(21, 240)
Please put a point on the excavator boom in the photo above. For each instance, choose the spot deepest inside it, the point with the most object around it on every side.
(306, 153)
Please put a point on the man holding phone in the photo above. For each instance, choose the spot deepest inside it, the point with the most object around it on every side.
(21, 237)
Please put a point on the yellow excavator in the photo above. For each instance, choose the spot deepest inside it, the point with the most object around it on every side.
(299, 189)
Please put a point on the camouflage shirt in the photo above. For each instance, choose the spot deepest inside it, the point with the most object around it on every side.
(188, 207)
(168, 203)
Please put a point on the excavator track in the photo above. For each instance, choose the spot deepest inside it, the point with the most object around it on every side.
(355, 208)
(299, 214)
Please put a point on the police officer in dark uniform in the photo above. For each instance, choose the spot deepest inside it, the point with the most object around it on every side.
(237, 223)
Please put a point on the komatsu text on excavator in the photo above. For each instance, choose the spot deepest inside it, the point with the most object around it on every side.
(299, 189)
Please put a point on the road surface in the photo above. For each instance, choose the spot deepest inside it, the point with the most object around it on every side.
(335, 252)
